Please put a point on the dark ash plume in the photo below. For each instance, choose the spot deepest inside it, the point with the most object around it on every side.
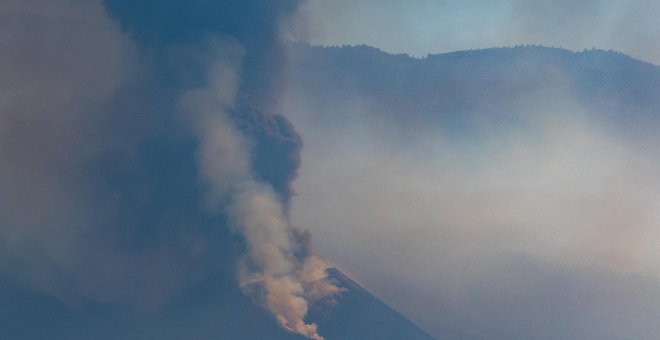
(129, 133)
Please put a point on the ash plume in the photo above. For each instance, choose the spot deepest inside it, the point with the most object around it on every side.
(254, 209)
(140, 153)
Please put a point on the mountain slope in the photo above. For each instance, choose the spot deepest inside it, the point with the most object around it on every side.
(452, 90)
(358, 314)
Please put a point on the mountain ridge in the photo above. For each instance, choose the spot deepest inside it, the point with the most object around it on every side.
(530, 47)
(452, 90)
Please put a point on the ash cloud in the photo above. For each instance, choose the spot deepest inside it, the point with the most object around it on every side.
(253, 208)
(136, 146)
(500, 194)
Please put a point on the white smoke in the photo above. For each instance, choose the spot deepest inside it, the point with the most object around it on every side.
(253, 208)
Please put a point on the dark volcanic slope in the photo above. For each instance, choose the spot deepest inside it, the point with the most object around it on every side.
(358, 314)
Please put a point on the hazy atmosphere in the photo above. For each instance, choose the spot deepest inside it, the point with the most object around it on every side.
(539, 201)
(532, 215)
(195, 169)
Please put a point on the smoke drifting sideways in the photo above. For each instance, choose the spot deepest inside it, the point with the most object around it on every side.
(131, 136)
(502, 193)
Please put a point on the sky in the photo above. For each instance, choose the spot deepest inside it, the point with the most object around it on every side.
(420, 27)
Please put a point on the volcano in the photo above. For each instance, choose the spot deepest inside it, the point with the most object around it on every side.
(222, 313)
(358, 314)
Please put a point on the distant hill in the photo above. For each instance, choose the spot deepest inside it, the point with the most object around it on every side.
(458, 87)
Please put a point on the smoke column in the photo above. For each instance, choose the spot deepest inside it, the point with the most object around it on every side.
(254, 210)
(129, 133)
